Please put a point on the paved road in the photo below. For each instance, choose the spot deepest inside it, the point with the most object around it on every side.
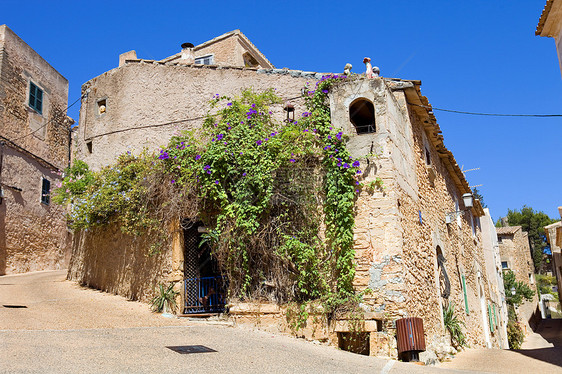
(66, 328)
(540, 353)
(69, 329)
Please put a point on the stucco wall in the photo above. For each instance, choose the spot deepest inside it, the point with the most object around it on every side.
(33, 235)
(106, 259)
(142, 94)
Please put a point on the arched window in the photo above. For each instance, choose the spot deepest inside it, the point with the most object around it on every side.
(362, 115)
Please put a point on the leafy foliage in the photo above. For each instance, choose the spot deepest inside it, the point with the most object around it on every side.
(264, 189)
(545, 284)
(165, 300)
(533, 222)
(522, 291)
(454, 325)
(515, 334)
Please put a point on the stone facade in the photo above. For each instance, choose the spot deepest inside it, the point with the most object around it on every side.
(417, 245)
(34, 148)
(516, 256)
(401, 229)
(550, 25)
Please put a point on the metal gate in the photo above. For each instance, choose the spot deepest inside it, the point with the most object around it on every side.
(204, 295)
(204, 290)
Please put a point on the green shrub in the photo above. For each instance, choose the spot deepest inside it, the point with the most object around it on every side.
(454, 325)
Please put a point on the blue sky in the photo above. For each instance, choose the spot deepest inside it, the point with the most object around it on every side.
(479, 56)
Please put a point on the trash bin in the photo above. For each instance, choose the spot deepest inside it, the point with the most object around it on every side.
(410, 338)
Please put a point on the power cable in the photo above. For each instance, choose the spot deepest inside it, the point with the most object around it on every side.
(487, 114)
(46, 123)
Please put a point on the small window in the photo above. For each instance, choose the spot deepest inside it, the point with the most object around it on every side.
(427, 157)
(362, 115)
(89, 146)
(205, 60)
(35, 98)
(249, 60)
(102, 106)
(499, 239)
(505, 265)
(46, 191)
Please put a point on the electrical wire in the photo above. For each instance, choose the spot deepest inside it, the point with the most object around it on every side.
(487, 114)
(51, 120)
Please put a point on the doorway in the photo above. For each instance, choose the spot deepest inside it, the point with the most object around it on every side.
(203, 284)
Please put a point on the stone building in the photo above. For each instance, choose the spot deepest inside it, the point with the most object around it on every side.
(550, 25)
(418, 246)
(516, 256)
(34, 148)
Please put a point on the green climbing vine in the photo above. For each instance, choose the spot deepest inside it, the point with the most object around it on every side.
(277, 198)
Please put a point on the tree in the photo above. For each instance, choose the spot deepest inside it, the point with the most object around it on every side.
(521, 289)
(513, 298)
(533, 222)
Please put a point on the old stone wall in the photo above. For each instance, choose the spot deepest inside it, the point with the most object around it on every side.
(35, 145)
(460, 243)
(515, 250)
(226, 52)
(106, 259)
(140, 95)
(401, 224)
(20, 65)
(33, 235)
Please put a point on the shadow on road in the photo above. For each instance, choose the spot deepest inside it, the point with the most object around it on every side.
(551, 331)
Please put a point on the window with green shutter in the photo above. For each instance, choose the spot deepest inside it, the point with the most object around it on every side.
(35, 98)
(495, 317)
(465, 295)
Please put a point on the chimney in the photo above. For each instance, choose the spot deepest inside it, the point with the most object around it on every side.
(131, 55)
(187, 56)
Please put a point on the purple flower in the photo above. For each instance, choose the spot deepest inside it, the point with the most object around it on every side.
(266, 139)
(356, 164)
(325, 91)
(292, 160)
(197, 157)
(173, 181)
(305, 130)
(206, 167)
(253, 105)
(244, 174)
(220, 136)
(327, 147)
(163, 155)
(259, 142)
(216, 182)
(357, 183)
(338, 135)
(358, 171)
(229, 104)
(346, 165)
(339, 163)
